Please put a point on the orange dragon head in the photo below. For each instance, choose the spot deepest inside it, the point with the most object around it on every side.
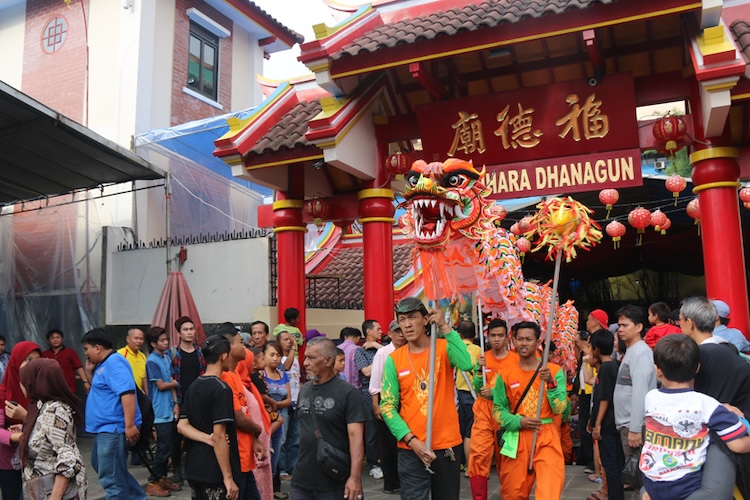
(445, 201)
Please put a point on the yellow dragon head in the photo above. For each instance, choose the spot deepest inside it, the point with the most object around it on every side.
(444, 201)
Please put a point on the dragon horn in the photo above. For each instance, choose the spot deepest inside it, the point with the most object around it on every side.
(484, 170)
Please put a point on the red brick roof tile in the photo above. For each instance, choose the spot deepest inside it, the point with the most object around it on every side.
(289, 132)
(470, 18)
(281, 27)
(741, 31)
(347, 265)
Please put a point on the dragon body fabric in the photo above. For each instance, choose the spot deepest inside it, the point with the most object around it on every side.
(462, 251)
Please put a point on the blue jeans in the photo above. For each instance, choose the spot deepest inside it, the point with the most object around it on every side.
(290, 444)
(248, 487)
(276, 445)
(164, 440)
(112, 469)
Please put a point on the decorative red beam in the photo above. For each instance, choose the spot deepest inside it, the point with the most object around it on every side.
(428, 80)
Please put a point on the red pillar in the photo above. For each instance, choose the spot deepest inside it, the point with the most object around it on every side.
(715, 174)
(376, 215)
(290, 257)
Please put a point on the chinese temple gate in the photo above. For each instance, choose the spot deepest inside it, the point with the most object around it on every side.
(542, 93)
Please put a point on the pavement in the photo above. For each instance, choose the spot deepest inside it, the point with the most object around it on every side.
(577, 485)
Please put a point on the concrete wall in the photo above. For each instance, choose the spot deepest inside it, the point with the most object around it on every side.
(328, 321)
(227, 280)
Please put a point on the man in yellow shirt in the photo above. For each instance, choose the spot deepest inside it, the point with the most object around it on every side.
(465, 397)
(132, 352)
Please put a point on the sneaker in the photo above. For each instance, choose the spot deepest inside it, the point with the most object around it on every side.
(588, 470)
(285, 476)
(392, 492)
(280, 495)
(376, 472)
(155, 490)
(169, 485)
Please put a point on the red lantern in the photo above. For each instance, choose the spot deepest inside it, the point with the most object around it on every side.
(670, 130)
(658, 219)
(694, 210)
(515, 229)
(609, 197)
(397, 165)
(523, 246)
(676, 184)
(663, 228)
(639, 218)
(616, 230)
(745, 196)
(318, 209)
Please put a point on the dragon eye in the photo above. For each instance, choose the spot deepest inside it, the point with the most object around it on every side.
(412, 178)
(453, 180)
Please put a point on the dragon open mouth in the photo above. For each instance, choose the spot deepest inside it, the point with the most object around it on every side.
(431, 217)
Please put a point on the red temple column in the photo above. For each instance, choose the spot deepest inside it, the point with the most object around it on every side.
(376, 215)
(715, 175)
(290, 257)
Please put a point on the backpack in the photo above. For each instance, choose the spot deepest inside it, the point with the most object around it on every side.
(147, 419)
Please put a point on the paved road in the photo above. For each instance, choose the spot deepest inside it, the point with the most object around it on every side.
(577, 486)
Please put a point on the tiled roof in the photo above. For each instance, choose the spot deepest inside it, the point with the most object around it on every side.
(296, 36)
(446, 23)
(347, 265)
(741, 31)
(289, 132)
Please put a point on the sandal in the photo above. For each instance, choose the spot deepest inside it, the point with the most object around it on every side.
(594, 478)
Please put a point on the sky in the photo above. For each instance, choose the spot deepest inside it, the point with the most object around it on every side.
(299, 15)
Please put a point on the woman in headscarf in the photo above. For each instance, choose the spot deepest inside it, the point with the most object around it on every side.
(258, 413)
(13, 404)
(52, 464)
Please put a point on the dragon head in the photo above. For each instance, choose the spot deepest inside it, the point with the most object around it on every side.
(445, 201)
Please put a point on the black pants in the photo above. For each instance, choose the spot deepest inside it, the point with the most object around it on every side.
(177, 450)
(11, 484)
(417, 482)
(586, 452)
(389, 457)
(203, 491)
(610, 452)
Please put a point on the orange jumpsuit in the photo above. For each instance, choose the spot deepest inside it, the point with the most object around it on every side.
(483, 444)
(515, 480)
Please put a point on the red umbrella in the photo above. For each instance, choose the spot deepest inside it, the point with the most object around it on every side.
(177, 301)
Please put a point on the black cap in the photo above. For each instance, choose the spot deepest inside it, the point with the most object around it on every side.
(410, 304)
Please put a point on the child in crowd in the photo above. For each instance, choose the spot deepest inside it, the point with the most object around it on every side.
(340, 364)
(259, 365)
(602, 420)
(162, 391)
(678, 421)
(277, 383)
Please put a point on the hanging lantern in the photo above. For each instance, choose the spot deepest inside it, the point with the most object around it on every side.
(676, 184)
(318, 209)
(663, 227)
(658, 218)
(523, 246)
(745, 196)
(639, 218)
(397, 165)
(616, 230)
(670, 130)
(515, 229)
(694, 210)
(609, 197)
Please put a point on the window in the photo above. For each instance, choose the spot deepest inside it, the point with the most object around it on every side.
(203, 62)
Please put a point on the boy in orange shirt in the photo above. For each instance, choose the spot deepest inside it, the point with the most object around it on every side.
(517, 415)
(403, 403)
(250, 447)
(484, 431)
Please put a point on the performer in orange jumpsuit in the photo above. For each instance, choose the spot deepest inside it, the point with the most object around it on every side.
(516, 481)
(484, 431)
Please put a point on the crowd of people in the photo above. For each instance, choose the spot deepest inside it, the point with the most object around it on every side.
(667, 390)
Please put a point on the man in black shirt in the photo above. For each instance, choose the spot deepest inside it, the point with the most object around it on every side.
(187, 365)
(207, 421)
(340, 414)
(602, 420)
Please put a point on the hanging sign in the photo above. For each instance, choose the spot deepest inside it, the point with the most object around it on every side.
(550, 121)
